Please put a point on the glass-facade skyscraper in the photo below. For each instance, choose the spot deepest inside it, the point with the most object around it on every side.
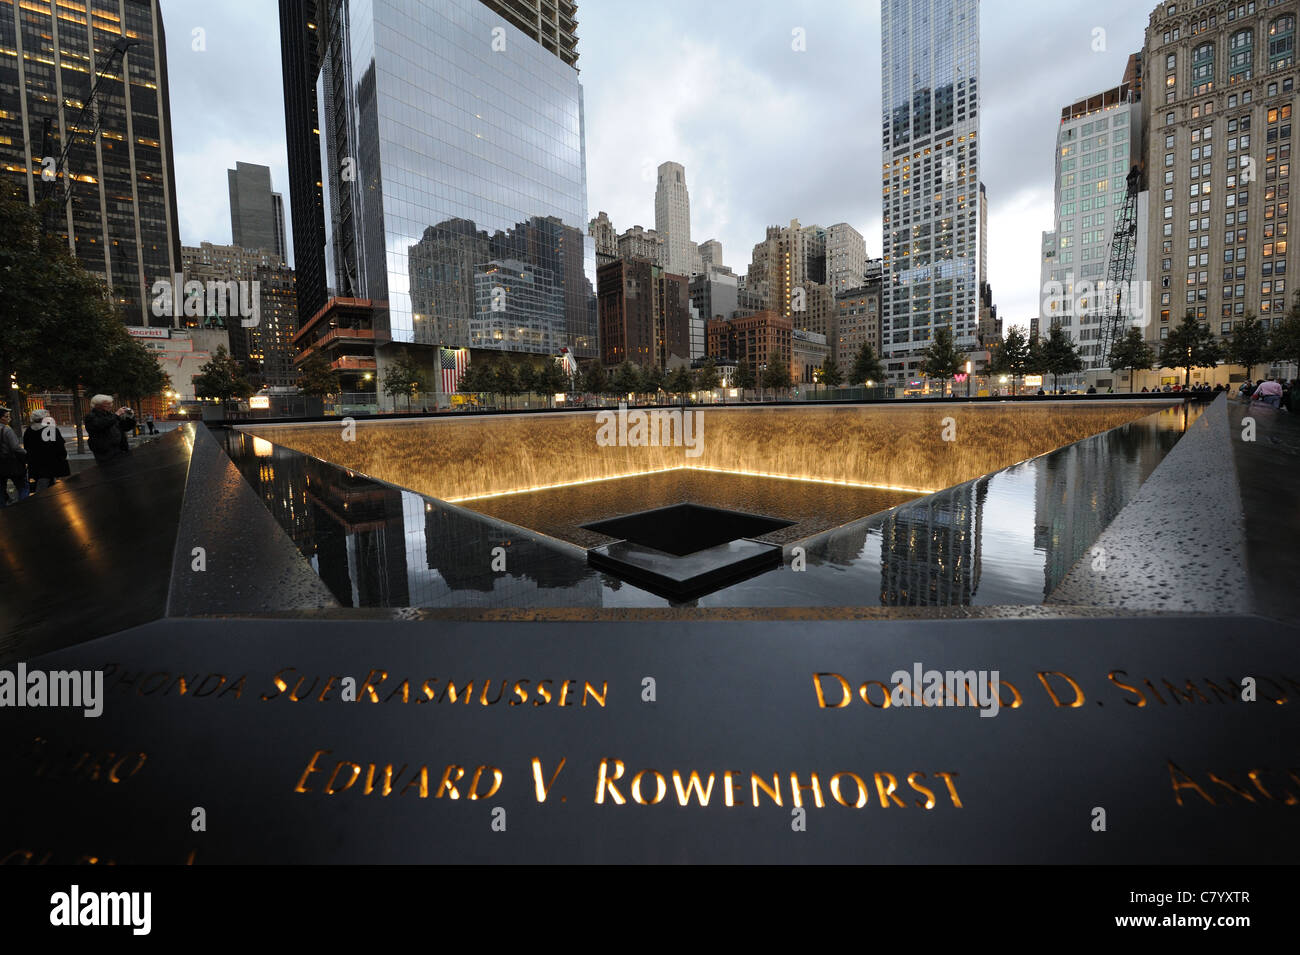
(115, 197)
(454, 175)
(930, 176)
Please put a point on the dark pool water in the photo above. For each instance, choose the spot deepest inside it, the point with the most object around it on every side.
(1006, 538)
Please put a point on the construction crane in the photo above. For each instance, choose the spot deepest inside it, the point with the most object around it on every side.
(112, 70)
(1119, 272)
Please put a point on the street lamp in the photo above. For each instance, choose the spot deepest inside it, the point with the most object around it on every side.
(968, 366)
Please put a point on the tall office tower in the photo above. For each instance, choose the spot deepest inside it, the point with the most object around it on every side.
(930, 178)
(604, 238)
(1220, 93)
(300, 65)
(256, 213)
(846, 257)
(711, 254)
(673, 217)
(114, 200)
(406, 184)
(1097, 142)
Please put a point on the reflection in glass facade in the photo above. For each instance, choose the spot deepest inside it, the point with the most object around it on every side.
(119, 210)
(930, 80)
(454, 163)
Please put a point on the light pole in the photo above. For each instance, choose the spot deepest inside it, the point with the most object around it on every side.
(968, 365)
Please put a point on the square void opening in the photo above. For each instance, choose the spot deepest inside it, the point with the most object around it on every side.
(686, 528)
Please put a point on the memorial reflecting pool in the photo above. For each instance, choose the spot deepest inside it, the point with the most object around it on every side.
(1020, 511)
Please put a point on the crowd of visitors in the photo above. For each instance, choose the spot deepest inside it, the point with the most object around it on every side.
(39, 458)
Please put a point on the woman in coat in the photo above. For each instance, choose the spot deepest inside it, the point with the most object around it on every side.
(47, 453)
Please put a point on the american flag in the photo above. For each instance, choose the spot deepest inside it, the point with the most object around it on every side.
(453, 362)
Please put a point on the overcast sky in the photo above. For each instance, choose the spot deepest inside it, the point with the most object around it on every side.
(767, 134)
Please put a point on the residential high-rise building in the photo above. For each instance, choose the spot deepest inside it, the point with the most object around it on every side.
(846, 257)
(300, 66)
(673, 217)
(1097, 142)
(457, 172)
(984, 236)
(256, 213)
(857, 322)
(1218, 113)
(786, 264)
(930, 177)
(114, 198)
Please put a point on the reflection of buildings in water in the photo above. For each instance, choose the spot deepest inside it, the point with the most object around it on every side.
(459, 548)
(1081, 488)
(930, 551)
(361, 536)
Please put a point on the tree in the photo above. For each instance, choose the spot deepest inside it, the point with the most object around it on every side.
(222, 377)
(477, 378)
(708, 375)
(1189, 346)
(1284, 341)
(132, 372)
(528, 378)
(594, 379)
(552, 380)
(777, 373)
(317, 378)
(505, 380)
(627, 379)
(1035, 362)
(58, 325)
(1248, 344)
(1009, 357)
(830, 375)
(1061, 356)
(404, 377)
(681, 382)
(745, 377)
(942, 359)
(1132, 354)
(866, 367)
(652, 381)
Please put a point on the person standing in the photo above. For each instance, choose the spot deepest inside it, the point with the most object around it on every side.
(47, 453)
(107, 439)
(148, 420)
(13, 460)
